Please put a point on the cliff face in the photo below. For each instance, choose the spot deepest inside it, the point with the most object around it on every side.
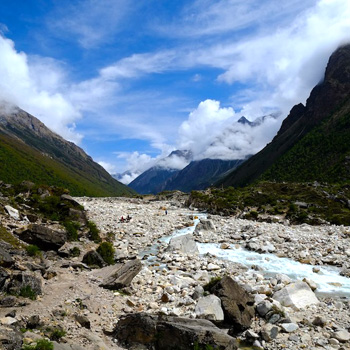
(327, 101)
(30, 151)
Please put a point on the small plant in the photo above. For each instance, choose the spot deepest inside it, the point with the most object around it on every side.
(41, 344)
(93, 232)
(75, 251)
(56, 334)
(33, 250)
(27, 292)
(72, 230)
(106, 250)
(213, 281)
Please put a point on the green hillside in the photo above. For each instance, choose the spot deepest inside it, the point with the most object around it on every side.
(19, 162)
(322, 155)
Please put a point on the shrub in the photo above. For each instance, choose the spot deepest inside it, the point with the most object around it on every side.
(213, 281)
(93, 232)
(41, 344)
(33, 250)
(106, 250)
(72, 230)
(75, 251)
(27, 292)
(56, 333)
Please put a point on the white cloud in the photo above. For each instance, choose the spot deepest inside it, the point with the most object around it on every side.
(109, 167)
(33, 84)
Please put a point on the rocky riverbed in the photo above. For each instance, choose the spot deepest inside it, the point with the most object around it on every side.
(276, 313)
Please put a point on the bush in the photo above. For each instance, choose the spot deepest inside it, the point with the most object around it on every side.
(56, 333)
(33, 250)
(74, 252)
(106, 250)
(93, 232)
(41, 344)
(72, 230)
(27, 292)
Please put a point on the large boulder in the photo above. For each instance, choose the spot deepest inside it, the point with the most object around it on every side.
(93, 258)
(22, 282)
(205, 225)
(297, 295)
(209, 307)
(10, 338)
(237, 303)
(162, 332)
(184, 244)
(6, 259)
(3, 277)
(120, 275)
(14, 213)
(44, 237)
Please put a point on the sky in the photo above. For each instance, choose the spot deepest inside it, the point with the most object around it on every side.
(131, 81)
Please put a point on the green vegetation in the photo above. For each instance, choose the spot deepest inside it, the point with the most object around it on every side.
(55, 333)
(298, 202)
(9, 238)
(33, 250)
(106, 250)
(93, 232)
(41, 344)
(82, 177)
(198, 346)
(72, 230)
(75, 251)
(27, 292)
(213, 281)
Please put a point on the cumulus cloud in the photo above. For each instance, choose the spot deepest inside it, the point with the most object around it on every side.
(214, 132)
(109, 167)
(34, 84)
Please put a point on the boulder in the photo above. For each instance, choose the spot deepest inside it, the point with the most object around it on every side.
(77, 215)
(120, 275)
(184, 244)
(19, 281)
(162, 332)
(14, 213)
(205, 225)
(83, 321)
(10, 338)
(342, 335)
(297, 295)
(43, 237)
(6, 259)
(209, 307)
(237, 303)
(3, 277)
(93, 258)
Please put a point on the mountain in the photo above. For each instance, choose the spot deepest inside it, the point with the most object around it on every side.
(200, 174)
(313, 142)
(153, 179)
(30, 151)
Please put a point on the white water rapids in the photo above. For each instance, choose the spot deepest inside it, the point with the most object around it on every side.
(328, 280)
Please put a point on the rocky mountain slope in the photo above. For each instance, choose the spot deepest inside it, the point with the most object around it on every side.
(30, 151)
(312, 143)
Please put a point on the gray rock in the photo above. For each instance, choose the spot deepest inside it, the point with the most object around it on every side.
(8, 301)
(93, 259)
(264, 307)
(198, 292)
(209, 307)
(62, 346)
(43, 237)
(237, 303)
(269, 332)
(205, 225)
(184, 244)
(33, 322)
(297, 295)
(83, 321)
(6, 259)
(342, 335)
(170, 333)
(289, 327)
(319, 321)
(21, 280)
(121, 275)
(10, 338)
(4, 275)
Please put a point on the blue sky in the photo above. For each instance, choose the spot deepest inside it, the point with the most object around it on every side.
(130, 81)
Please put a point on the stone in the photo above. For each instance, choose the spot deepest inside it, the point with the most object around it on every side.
(120, 275)
(205, 225)
(10, 338)
(184, 244)
(43, 237)
(310, 283)
(269, 332)
(6, 259)
(289, 327)
(21, 280)
(93, 259)
(8, 301)
(169, 333)
(83, 321)
(319, 321)
(209, 307)
(8, 321)
(198, 292)
(264, 307)
(33, 322)
(297, 295)
(14, 213)
(333, 341)
(4, 275)
(78, 216)
(342, 335)
(237, 303)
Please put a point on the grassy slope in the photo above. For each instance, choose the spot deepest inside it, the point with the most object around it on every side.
(20, 162)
